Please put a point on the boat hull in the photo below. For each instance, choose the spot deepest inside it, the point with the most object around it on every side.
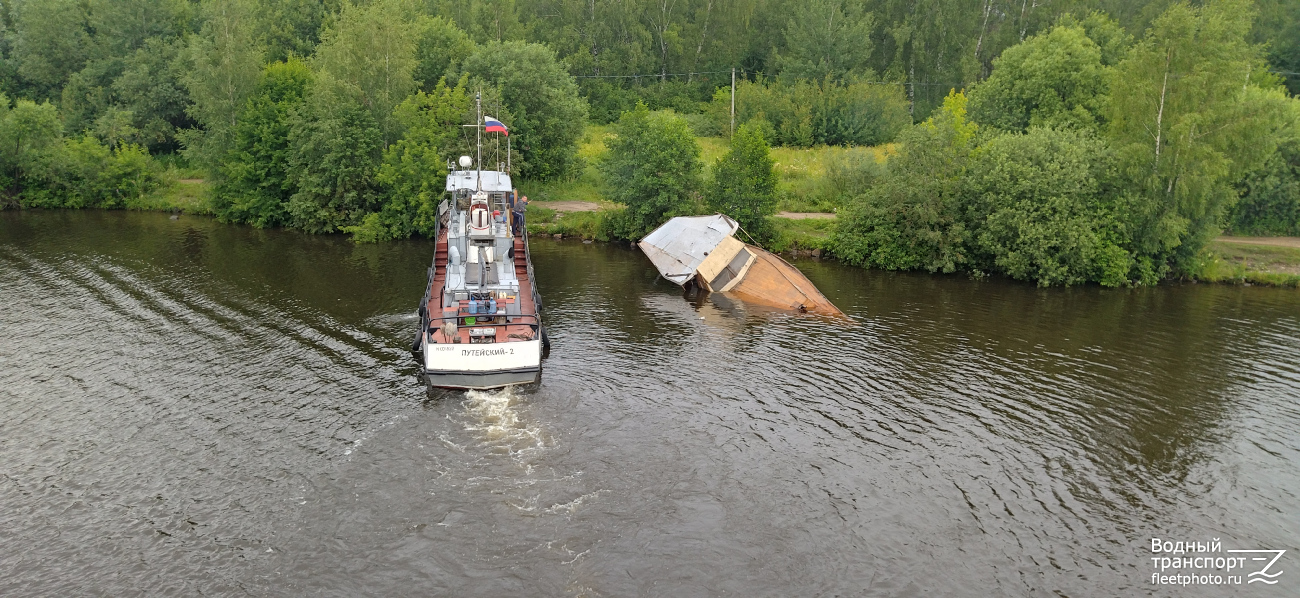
(482, 380)
(482, 365)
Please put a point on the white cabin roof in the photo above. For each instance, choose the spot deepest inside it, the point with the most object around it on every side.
(493, 181)
(679, 246)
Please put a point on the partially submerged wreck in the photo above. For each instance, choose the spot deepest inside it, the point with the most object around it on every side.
(704, 251)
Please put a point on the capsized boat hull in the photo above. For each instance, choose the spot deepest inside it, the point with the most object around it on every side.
(701, 249)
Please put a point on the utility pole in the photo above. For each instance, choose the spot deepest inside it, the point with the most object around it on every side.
(733, 100)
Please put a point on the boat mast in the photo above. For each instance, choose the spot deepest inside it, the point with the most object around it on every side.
(478, 133)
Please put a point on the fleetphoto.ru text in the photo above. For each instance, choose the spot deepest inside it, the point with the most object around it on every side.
(1184, 563)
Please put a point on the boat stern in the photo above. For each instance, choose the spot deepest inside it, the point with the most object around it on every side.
(482, 365)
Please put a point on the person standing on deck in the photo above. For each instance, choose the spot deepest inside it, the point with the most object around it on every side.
(521, 205)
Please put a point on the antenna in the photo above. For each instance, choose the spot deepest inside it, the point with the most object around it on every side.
(478, 133)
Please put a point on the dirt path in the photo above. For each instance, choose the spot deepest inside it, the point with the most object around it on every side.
(568, 206)
(806, 215)
(1274, 241)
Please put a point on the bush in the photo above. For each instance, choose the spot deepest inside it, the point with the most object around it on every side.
(1053, 79)
(84, 173)
(914, 217)
(337, 147)
(744, 184)
(653, 167)
(804, 113)
(256, 182)
(1043, 208)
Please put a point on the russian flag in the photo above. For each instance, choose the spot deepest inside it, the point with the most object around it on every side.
(493, 125)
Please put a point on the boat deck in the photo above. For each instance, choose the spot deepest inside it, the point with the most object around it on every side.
(518, 328)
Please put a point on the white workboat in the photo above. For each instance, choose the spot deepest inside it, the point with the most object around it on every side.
(480, 319)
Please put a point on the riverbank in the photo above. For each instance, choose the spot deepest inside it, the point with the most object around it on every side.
(187, 195)
(1273, 261)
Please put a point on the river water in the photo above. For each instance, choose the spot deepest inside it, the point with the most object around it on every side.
(192, 408)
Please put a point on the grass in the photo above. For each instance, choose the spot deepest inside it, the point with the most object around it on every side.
(587, 187)
(1239, 263)
(811, 234)
(178, 193)
(802, 187)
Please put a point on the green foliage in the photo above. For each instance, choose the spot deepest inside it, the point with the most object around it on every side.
(1188, 117)
(653, 167)
(114, 127)
(913, 218)
(1054, 79)
(804, 114)
(439, 51)
(548, 113)
(291, 28)
(337, 147)
(372, 48)
(51, 43)
(1270, 196)
(256, 182)
(222, 67)
(1106, 32)
(29, 132)
(414, 169)
(1044, 207)
(150, 88)
(744, 184)
(827, 40)
(39, 168)
(84, 173)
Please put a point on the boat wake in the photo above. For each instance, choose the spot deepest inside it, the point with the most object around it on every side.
(494, 417)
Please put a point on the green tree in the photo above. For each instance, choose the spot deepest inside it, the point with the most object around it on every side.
(292, 27)
(115, 127)
(653, 167)
(914, 217)
(1052, 79)
(372, 47)
(50, 44)
(827, 40)
(28, 133)
(744, 182)
(150, 87)
(256, 183)
(1270, 194)
(439, 51)
(224, 64)
(414, 170)
(1192, 110)
(337, 147)
(549, 116)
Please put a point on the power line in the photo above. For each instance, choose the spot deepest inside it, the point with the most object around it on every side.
(661, 75)
(648, 75)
